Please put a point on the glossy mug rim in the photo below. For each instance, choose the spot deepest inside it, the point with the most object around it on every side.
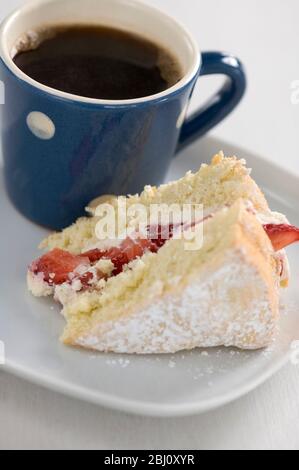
(189, 75)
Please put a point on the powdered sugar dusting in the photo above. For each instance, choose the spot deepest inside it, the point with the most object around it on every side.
(205, 314)
(123, 363)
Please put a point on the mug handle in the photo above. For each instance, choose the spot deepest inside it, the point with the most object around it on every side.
(222, 103)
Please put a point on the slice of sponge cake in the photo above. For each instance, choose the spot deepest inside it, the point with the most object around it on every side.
(164, 298)
(226, 293)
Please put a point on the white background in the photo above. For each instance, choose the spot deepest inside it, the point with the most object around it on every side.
(265, 35)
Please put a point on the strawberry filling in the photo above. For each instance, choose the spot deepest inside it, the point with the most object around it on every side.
(129, 250)
(59, 266)
(282, 235)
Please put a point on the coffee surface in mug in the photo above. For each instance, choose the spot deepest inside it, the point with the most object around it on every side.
(98, 62)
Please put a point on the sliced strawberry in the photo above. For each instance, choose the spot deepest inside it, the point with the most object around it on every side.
(282, 235)
(119, 260)
(57, 265)
(114, 254)
(127, 251)
(86, 279)
(94, 255)
(134, 248)
(160, 234)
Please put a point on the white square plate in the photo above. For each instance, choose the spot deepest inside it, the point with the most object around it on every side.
(174, 385)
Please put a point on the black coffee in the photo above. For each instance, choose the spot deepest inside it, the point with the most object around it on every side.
(97, 62)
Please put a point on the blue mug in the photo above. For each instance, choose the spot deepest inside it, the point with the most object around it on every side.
(61, 150)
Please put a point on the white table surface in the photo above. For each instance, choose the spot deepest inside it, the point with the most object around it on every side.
(265, 35)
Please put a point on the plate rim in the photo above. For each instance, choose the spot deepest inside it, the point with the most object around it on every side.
(143, 408)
